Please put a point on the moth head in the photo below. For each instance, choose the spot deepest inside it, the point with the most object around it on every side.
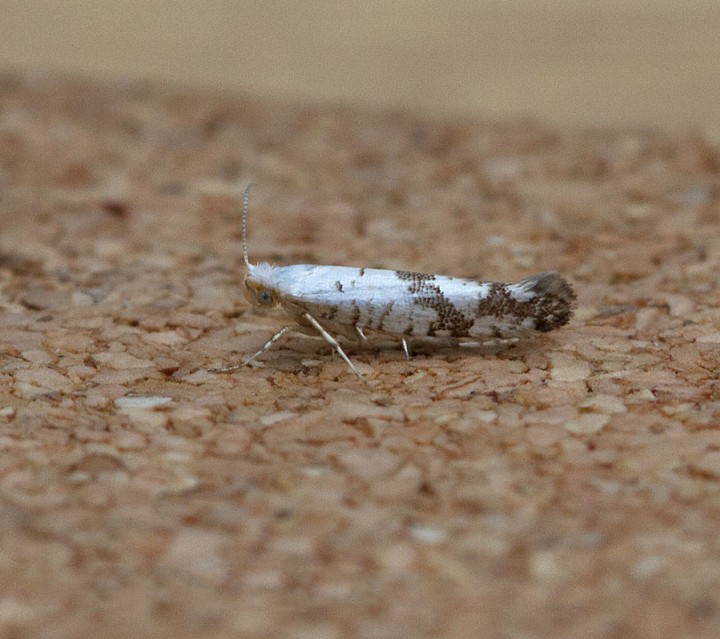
(259, 278)
(260, 294)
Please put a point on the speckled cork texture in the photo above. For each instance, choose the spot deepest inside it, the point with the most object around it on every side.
(566, 486)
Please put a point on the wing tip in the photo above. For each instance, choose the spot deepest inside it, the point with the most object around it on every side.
(558, 299)
(550, 284)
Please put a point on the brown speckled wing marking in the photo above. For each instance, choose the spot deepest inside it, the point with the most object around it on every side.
(549, 305)
(427, 294)
(552, 305)
(555, 302)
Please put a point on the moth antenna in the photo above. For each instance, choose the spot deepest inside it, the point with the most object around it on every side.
(246, 203)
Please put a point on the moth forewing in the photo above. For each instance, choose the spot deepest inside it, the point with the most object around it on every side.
(373, 302)
(362, 303)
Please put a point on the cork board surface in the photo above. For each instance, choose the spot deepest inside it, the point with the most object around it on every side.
(567, 486)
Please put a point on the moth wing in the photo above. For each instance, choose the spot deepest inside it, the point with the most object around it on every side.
(391, 303)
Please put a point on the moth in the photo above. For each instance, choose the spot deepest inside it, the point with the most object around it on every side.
(358, 304)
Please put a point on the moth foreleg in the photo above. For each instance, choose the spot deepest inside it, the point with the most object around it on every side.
(331, 340)
(266, 347)
(405, 348)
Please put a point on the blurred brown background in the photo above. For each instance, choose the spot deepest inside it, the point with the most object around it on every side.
(615, 62)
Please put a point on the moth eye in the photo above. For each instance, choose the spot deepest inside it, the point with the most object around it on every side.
(265, 297)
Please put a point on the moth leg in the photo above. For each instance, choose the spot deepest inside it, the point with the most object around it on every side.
(266, 347)
(360, 333)
(331, 340)
(405, 348)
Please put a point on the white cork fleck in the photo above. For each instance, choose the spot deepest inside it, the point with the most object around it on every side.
(142, 402)
(587, 424)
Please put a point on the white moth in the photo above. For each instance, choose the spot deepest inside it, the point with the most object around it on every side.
(360, 303)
